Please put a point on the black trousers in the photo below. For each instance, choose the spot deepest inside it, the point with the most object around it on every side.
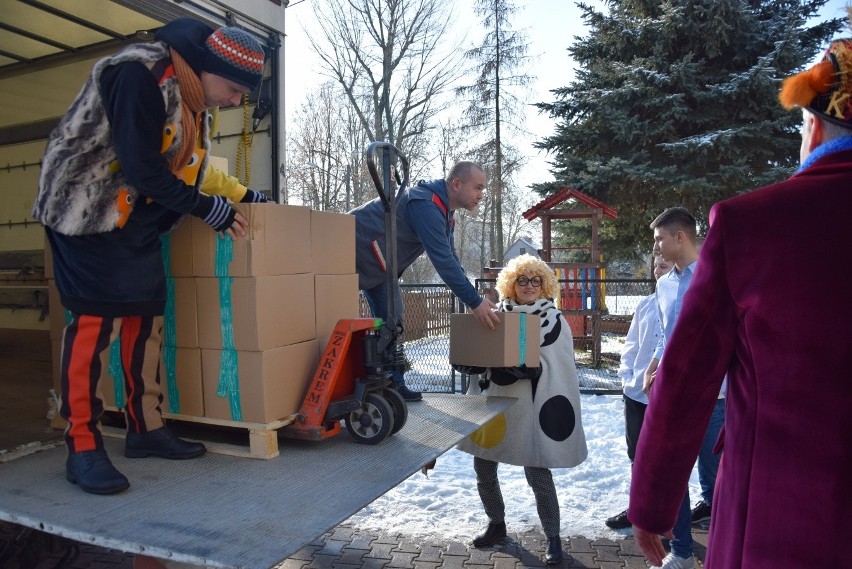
(634, 416)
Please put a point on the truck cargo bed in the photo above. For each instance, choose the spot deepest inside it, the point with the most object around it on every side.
(226, 511)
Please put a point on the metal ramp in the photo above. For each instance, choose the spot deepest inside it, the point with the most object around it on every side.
(230, 512)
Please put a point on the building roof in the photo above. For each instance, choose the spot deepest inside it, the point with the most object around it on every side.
(566, 194)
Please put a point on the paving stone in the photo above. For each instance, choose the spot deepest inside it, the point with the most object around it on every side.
(454, 561)
(635, 562)
(607, 553)
(332, 547)
(341, 533)
(580, 545)
(361, 541)
(381, 550)
(292, 564)
(321, 562)
(429, 554)
(387, 538)
(505, 563)
(456, 548)
(401, 559)
(353, 556)
(583, 559)
(372, 563)
(408, 545)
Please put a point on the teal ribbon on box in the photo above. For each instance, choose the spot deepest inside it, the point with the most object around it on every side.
(522, 340)
(229, 379)
(117, 372)
(169, 332)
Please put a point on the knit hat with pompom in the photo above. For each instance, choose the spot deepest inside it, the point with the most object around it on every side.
(234, 54)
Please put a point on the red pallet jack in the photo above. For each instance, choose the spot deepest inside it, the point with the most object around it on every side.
(353, 381)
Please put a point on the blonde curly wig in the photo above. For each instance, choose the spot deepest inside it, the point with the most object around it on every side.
(523, 264)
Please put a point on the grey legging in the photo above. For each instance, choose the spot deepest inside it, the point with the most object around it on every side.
(539, 479)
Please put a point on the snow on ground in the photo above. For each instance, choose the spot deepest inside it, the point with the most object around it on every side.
(446, 504)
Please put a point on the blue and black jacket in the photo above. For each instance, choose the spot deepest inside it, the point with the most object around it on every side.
(424, 222)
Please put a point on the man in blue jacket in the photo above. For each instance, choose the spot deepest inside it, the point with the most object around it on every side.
(424, 222)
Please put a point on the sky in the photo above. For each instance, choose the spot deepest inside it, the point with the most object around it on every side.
(550, 27)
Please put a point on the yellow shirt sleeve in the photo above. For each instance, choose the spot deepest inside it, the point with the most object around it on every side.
(218, 183)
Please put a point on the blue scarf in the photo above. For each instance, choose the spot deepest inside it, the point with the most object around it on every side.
(842, 143)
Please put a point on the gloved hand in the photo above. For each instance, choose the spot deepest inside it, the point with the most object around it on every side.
(254, 197)
(509, 375)
(216, 212)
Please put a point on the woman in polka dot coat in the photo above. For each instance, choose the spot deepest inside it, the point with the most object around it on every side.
(543, 429)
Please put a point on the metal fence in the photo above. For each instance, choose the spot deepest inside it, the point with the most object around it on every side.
(599, 312)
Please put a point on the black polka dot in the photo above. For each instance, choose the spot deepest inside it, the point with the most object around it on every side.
(557, 418)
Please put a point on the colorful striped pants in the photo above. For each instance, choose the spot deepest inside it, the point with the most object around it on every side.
(85, 354)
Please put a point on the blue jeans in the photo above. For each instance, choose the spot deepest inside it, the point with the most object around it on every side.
(708, 463)
(682, 530)
(377, 299)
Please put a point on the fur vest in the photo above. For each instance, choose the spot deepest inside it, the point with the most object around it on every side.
(82, 189)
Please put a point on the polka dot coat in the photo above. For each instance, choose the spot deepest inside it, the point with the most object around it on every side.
(544, 428)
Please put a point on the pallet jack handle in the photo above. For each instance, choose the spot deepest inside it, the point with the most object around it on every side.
(389, 154)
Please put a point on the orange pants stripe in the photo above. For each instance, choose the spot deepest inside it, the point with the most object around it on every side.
(85, 355)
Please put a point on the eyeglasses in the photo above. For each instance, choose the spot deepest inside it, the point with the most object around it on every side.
(523, 280)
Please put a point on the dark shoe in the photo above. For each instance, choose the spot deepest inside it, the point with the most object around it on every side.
(494, 533)
(92, 471)
(618, 521)
(160, 442)
(701, 512)
(554, 551)
(407, 394)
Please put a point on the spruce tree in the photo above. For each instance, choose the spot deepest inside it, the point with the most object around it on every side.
(675, 103)
(493, 101)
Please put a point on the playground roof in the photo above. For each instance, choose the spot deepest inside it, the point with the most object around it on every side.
(567, 194)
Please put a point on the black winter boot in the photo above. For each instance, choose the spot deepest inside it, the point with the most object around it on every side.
(92, 471)
(160, 442)
(493, 533)
(554, 551)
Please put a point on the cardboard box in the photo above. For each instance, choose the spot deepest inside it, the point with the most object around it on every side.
(266, 312)
(336, 298)
(272, 383)
(185, 316)
(278, 243)
(473, 344)
(180, 249)
(332, 243)
(187, 370)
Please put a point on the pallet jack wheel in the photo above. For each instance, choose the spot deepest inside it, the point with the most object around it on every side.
(400, 409)
(372, 422)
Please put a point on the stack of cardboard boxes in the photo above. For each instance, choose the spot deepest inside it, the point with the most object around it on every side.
(246, 319)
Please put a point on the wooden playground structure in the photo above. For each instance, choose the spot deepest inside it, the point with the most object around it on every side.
(583, 296)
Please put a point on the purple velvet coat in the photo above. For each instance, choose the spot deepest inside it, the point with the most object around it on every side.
(771, 305)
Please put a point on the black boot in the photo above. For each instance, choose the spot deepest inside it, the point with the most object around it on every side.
(554, 551)
(160, 442)
(495, 532)
(92, 471)
(408, 394)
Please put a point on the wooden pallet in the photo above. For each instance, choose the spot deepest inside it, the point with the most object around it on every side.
(220, 436)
